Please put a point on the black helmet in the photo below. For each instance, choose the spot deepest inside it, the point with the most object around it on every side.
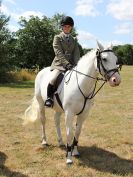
(66, 20)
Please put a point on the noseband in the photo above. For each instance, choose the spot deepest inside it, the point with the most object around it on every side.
(100, 64)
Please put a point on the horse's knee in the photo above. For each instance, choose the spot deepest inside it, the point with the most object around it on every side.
(70, 136)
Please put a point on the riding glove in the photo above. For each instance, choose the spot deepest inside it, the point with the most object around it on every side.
(69, 66)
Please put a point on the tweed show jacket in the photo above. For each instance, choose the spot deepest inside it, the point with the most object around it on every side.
(66, 51)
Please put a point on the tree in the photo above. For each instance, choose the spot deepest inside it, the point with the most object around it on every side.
(128, 54)
(124, 54)
(34, 42)
(55, 20)
(6, 47)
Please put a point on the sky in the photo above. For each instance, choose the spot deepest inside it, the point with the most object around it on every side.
(108, 21)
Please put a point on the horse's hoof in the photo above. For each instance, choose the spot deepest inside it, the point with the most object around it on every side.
(69, 158)
(75, 152)
(69, 161)
(76, 156)
(45, 145)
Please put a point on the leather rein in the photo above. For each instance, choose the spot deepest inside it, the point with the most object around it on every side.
(104, 78)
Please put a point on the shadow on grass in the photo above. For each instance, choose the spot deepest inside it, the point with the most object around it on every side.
(24, 84)
(5, 171)
(105, 161)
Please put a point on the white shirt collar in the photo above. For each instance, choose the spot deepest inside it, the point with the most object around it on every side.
(66, 35)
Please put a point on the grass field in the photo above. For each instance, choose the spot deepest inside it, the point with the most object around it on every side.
(106, 141)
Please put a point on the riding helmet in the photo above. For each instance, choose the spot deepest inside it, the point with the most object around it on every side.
(66, 20)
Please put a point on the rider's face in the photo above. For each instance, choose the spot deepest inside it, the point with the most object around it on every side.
(67, 29)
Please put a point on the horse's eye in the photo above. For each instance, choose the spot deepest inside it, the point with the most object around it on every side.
(104, 59)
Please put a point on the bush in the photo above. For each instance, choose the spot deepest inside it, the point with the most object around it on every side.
(18, 76)
(23, 75)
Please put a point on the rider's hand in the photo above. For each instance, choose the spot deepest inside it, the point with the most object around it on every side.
(69, 66)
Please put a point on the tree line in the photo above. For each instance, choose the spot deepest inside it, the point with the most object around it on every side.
(31, 46)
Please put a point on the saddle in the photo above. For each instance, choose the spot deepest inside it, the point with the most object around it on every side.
(56, 85)
(58, 81)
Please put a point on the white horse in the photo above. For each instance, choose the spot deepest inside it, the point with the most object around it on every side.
(76, 93)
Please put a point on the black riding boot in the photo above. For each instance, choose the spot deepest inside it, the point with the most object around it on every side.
(50, 91)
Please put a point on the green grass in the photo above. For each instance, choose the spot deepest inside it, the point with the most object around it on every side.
(22, 84)
(106, 143)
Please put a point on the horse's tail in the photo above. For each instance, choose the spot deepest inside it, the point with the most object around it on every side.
(32, 112)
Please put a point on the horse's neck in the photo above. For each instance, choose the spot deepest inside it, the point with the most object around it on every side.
(86, 66)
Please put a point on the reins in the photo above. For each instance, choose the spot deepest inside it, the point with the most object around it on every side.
(96, 78)
(70, 72)
(94, 92)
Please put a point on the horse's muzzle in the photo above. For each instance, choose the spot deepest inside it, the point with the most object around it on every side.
(114, 79)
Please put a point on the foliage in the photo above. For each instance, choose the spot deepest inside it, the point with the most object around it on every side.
(86, 50)
(31, 46)
(34, 42)
(125, 54)
(22, 75)
(7, 43)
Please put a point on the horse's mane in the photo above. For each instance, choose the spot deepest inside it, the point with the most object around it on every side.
(87, 56)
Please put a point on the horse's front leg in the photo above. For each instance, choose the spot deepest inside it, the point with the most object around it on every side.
(69, 131)
(58, 129)
(79, 123)
(80, 119)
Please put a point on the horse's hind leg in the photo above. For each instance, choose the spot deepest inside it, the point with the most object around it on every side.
(42, 118)
(58, 129)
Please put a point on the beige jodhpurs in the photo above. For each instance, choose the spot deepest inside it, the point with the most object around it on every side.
(53, 76)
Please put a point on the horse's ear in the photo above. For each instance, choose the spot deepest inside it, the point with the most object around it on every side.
(100, 46)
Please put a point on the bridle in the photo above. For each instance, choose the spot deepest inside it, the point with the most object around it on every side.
(105, 77)
(100, 63)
